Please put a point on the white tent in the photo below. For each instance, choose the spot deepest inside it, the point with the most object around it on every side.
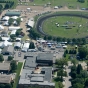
(5, 38)
(14, 17)
(56, 7)
(31, 23)
(13, 28)
(25, 47)
(1, 27)
(13, 32)
(15, 23)
(6, 43)
(6, 18)
(6, 23)
(29, 9)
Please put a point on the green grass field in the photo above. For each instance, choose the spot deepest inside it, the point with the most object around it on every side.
(17, 74)
(70, 3)
(50, 27)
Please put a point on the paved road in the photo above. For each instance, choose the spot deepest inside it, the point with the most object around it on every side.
(67, 79)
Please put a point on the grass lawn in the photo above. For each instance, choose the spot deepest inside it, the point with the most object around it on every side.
(50, 27)
(70, 3)
(25, 37)
(17, 74)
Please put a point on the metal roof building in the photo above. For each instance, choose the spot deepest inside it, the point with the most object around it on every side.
(13, 13)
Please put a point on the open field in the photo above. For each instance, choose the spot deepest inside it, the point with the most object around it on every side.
(69, 3)
(80, 29)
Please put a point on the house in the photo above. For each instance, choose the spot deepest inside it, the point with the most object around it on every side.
(17, 45)
(4, 33)
(4, 67)
(5, 79)
(44, 59)
(8, 50)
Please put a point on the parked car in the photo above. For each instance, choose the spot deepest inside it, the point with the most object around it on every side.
(19, 54)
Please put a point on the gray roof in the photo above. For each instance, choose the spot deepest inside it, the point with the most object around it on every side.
(4, 66)
(45, 56)
(12, 13)
(4, 32)
(17, 44)
(8, 49)
(5, 78)
(28, 77)
(48, 73)
(37, 79)
(31, 54)
(30, 62)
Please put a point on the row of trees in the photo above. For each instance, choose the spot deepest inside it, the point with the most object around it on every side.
(34, 34)
(79, 77)
(83, 53)
(60, 65)
(68, 40)
(82, 1)
(5, 86)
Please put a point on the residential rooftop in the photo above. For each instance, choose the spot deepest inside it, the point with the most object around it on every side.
(4, 66)
(5, 78)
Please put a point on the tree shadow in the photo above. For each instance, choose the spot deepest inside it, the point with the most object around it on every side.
(58, 79)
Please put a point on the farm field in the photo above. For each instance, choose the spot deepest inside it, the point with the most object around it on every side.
(69, 3)
(66, 26)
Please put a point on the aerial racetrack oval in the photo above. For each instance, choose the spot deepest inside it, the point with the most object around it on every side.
(42, 19)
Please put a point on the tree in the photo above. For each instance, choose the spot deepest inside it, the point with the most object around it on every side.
(45, 37)
(13, 65)
(12, 36)
(10, 21)
(18, 20)
(77, 80)
(61, 62)
(61, 73)
(31, 46)
(82, 1)
(2, 85)
(73, 74)
(84, 74)
(86, 83)
(8, 86)
(74, 61)
(83, 52)
(0, 38)
(60, 85)
(1, 7)
(1, 58)
(49, 37)
(10, 58)
(7, 6)
(78, 85)
(79, 69)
